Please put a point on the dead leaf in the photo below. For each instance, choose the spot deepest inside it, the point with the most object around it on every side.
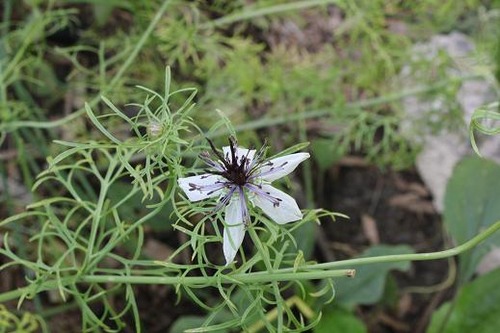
(414, 187)
(395, 324)
(489, 262)
(370, 229)
(157, 250)
(412, 202)
(404, 305)
(353, 161)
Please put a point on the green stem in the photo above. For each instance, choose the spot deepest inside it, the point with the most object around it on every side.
(307, 272)
(110, 245)
(401, 257)
(261, 250)
(264, 254)
(417, 256)
(247, 13)
(191, 281)
(98, 217)
(274, 121)
(201, 281)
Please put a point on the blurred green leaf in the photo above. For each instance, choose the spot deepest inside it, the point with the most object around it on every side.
(189, 322)
(476, 308)
(338, 320)
(390, 297)
(367, 287)
(10, 322)
(306, 239)
(240, 299)
(326, 153)
(471, 204)
(135, 207)
(102, 12)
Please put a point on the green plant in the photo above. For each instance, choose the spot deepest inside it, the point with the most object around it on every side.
(82, 230)
(113, 177)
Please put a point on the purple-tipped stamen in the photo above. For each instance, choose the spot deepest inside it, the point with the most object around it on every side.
(218, 154)
(218, 185)
(272, 170)
(205, 157)
(261, 193)
(225, 199)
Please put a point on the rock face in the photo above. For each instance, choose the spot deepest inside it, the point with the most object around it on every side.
(441, 152)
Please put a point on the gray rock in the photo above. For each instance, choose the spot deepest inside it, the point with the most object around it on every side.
(441, 152)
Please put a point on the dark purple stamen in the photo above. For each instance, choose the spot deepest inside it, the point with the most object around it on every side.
(234, 170)
(217, 153)
(239, 171)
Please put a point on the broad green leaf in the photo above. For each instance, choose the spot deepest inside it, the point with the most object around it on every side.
(471, 204)
(338, 320)
(368, 285)
(477, 308)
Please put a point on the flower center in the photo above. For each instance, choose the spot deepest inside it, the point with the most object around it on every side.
(236, 173)
(232, 167)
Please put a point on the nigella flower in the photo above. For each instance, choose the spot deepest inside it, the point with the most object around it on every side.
(236, 176)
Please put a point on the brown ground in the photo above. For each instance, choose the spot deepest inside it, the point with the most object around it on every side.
(390, 208)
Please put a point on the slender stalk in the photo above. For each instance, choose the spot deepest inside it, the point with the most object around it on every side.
(264, 254)
(307, 272)
(402, 257)
(261, 250)
(243, 278)
(97, 214)
(247, 13)
(189, 281)
(417, 256)
(330, 112)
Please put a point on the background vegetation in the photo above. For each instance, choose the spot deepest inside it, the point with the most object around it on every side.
(333, 73)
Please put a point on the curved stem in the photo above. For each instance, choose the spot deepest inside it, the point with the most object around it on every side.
(191, 281)
(416, 256)
(266, 122)
(307, 272)
(247, 14)
(401, 257)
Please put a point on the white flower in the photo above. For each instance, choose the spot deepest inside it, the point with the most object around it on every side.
(237, 175)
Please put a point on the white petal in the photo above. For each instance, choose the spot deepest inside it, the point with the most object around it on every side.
(201, 187)
(234, 231)
(240, 152)
(276, 204)
(281, 166)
